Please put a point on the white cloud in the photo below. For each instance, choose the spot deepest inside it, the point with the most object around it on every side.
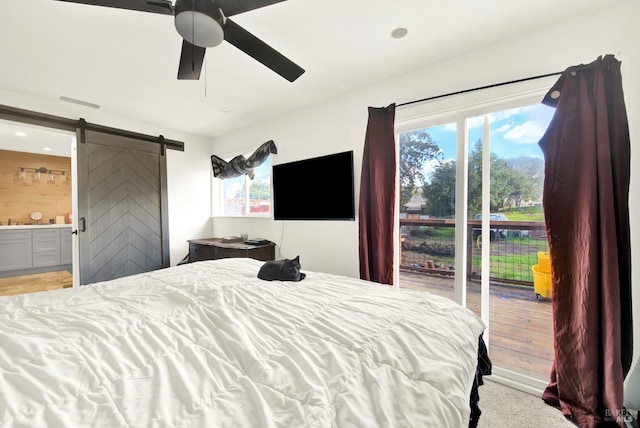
(474, 122)
(450, 127)
(505, 114)
(503, 128)
(527, 133)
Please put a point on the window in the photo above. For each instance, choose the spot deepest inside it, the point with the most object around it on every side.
(242, 196)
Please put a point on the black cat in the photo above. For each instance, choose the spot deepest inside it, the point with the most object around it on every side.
(282, 270)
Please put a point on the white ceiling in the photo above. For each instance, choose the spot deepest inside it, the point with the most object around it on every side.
(20, 137)
(126, 61)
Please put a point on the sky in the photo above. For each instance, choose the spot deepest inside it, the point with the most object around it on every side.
(514, 132)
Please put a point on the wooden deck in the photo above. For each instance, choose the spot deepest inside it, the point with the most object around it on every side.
(520, 327)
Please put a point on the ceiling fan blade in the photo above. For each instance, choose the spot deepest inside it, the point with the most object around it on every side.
(259, 50)
(191, 59)
(164, 7)
(234, 7)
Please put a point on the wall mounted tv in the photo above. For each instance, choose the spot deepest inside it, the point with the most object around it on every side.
(314, 189)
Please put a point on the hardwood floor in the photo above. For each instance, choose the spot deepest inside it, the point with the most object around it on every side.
(35, 283)
(520, 327)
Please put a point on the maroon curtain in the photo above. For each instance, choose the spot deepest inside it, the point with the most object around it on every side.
(586, 190)
(377, 196)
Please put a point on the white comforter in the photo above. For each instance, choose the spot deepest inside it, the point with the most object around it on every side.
(209, 345)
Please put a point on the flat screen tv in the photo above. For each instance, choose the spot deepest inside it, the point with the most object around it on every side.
(314, 189)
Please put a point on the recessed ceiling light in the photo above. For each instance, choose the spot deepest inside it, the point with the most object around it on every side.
(399, 33)
(46, 149)
(21, 134)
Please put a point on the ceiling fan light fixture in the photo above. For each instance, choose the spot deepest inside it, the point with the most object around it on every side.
(199, 22)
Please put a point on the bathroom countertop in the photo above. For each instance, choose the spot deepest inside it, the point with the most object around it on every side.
(33, 226)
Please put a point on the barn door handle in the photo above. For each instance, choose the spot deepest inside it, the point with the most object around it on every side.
(83, 222)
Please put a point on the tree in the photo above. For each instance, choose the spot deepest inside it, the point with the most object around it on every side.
(512, 182)
(259, 190)
(505, 184)
(474, 201)
(440, 192)
(416, 147)
(533, 169)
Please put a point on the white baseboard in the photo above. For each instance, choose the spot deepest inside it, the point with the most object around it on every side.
(517, 381)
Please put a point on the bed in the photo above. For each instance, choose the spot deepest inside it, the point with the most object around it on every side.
(208, 344)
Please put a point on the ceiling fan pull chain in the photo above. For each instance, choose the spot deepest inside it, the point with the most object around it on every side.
(193, 37)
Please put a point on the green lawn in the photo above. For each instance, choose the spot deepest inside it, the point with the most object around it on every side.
(510, 266)
(512, 257)
(534, 213)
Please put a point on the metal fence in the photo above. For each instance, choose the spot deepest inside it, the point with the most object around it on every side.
(428, 245)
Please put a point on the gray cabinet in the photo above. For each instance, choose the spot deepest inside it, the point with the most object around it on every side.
(66, 256)
(15, 249)
(31, 250)
(46, 247)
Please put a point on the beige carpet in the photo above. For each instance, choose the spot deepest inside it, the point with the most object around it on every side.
(502, 406)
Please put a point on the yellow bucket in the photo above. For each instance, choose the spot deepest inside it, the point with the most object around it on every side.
(541, 283)
(544, 261)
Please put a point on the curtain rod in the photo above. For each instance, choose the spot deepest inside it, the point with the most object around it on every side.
(479, 88)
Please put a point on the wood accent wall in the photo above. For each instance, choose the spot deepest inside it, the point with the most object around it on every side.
(19, 199)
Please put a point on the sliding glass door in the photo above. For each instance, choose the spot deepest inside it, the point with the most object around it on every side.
(472, 226)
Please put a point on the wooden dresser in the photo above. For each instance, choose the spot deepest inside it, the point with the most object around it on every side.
(212, 248)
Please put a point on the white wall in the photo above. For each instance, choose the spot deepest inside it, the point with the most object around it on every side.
(189, 176)
(339, 124)
(322, 245)
(189, 192)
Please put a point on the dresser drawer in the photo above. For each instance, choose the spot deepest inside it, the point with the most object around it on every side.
(201, 252)
(265, 253)
(228, 253)
(212, 248)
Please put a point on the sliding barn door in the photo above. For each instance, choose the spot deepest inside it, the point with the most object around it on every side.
(122, 207)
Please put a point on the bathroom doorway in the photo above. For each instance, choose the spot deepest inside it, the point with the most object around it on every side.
(37, 201)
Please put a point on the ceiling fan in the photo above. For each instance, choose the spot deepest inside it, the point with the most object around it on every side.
(203, 24)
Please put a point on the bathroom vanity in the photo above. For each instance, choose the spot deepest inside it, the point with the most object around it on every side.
(27, 249)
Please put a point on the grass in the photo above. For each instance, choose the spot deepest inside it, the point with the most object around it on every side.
(511, 258)
(510, 266)
(434, 232)
(505, 266)
(534, 213)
